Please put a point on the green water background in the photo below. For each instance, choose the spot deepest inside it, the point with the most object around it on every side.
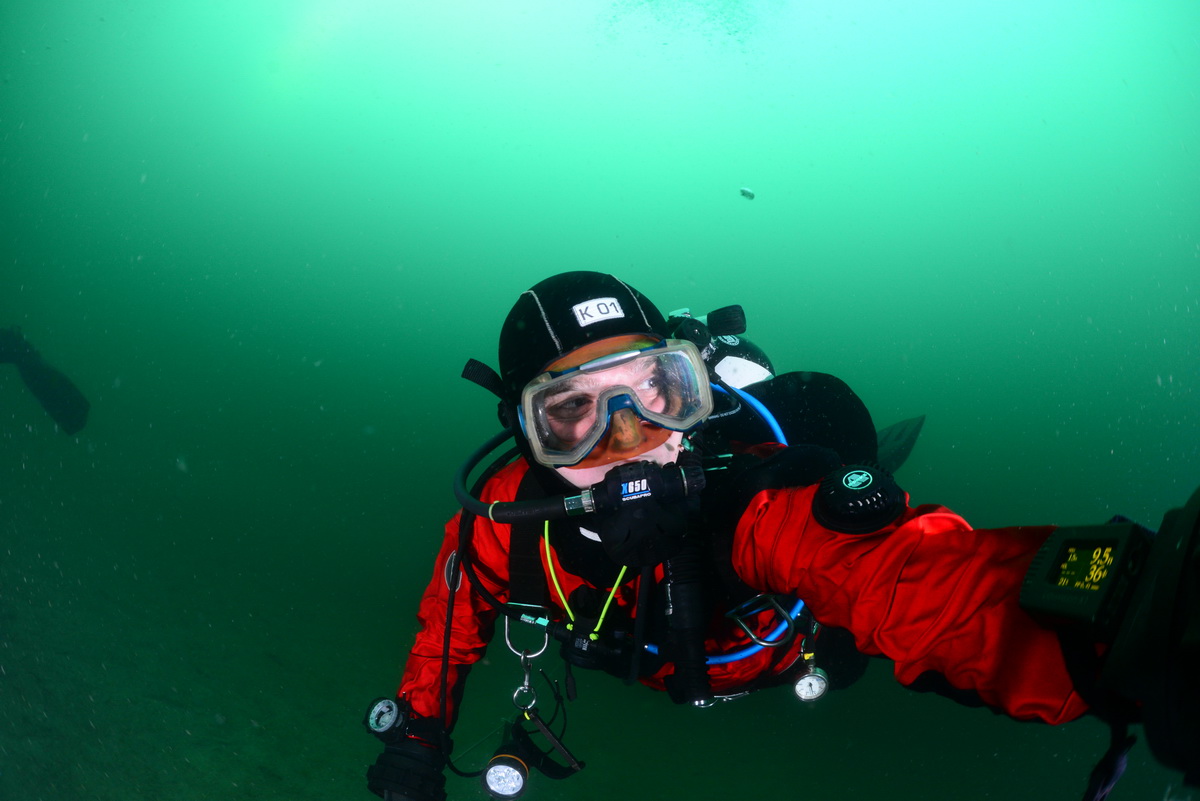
(263, 237)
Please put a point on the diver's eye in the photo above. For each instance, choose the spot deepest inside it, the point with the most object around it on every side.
(650, 390)
(571, 408)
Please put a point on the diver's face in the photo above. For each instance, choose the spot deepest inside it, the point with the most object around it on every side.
(629, 437)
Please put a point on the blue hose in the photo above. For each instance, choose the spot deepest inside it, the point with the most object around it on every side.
(762, 410)
(749, 650)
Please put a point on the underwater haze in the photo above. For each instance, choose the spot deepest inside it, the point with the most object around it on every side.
(264, 236)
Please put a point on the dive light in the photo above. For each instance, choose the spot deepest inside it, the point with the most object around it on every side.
(507, 772)
(505, 775)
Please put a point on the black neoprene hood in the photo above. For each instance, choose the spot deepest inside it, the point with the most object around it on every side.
(565, 312)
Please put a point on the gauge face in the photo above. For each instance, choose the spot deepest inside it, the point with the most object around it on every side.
(383, 715)
(812, 685)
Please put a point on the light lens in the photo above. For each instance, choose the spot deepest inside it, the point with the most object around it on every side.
(505, 777)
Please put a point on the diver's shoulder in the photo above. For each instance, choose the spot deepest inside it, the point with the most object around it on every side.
(502, 487)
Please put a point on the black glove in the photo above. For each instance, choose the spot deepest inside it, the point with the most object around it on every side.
(408, 770)
(643, 509)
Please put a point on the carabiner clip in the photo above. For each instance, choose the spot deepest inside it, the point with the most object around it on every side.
(525, 697)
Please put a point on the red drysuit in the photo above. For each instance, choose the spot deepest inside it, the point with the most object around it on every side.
(928, 592)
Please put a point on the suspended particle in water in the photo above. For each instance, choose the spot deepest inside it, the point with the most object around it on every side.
(747, 193)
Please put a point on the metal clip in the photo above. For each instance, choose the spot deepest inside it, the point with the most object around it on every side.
(521, 652)
(525, 697)
(758, 604)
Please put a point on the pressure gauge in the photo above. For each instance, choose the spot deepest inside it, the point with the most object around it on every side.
(385, 719)
(812, 684)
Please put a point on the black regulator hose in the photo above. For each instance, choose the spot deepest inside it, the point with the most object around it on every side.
(473, 507)
(667, 483)
(513, 511)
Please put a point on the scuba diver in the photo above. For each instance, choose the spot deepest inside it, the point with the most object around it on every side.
(620, 529)
(57, 394)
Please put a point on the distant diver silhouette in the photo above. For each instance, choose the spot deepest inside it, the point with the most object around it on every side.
(57, 394)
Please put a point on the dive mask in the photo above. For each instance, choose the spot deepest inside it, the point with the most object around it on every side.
(564, 414)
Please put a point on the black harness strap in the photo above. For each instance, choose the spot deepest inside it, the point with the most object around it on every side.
(526, 576)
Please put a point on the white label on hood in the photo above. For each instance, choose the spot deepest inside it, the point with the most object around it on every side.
(593, 311)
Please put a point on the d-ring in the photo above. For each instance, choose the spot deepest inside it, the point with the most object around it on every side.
(513, 648)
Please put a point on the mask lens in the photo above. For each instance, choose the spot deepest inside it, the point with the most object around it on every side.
(566, 414)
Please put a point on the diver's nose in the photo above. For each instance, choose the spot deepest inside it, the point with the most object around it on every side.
(624, 431)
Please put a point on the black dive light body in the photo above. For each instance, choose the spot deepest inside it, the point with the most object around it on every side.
(507, 772)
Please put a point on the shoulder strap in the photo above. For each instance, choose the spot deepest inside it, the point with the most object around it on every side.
(526, 577)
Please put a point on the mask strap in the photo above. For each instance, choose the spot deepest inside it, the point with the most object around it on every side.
(479, 373)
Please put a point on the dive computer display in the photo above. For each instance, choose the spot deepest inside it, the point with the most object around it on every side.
(1084, 575)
